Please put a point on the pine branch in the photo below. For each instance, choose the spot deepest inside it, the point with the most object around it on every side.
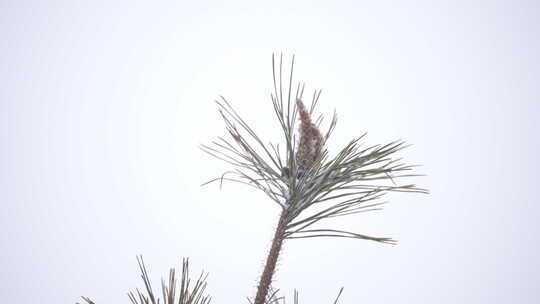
(169, 295)
(307, 183)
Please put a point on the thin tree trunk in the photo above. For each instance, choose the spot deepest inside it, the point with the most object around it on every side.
(271, 261)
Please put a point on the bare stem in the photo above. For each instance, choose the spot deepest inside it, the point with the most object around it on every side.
(271, 261)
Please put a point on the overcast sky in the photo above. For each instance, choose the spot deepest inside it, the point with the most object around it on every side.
(104, 103)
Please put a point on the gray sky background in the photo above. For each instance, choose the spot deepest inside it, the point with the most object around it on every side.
(103, 106)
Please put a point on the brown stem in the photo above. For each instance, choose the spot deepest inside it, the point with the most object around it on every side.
(271, 261)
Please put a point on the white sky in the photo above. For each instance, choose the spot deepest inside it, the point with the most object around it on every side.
(103, 106)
